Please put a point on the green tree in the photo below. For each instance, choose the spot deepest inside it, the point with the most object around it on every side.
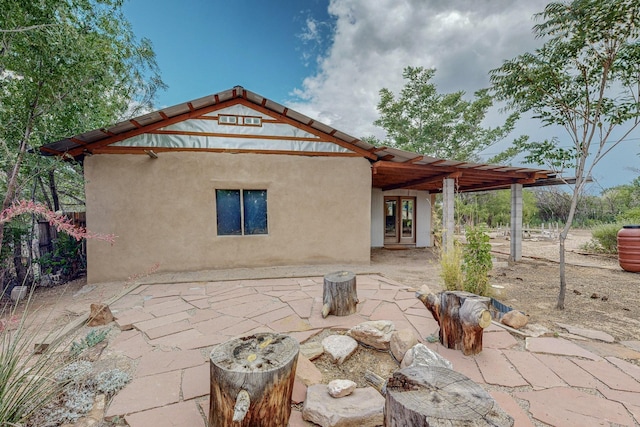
(65, 66)
(493, 208)
(583, 79)
(440, 125)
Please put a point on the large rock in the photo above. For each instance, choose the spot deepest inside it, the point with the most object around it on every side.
(515, 319)
(341, 388)
(401, 342)
(339, 347)
(421, 355)
(363, 408)
(307, 372)
(375, 333)
(100, 315)
(311, 350)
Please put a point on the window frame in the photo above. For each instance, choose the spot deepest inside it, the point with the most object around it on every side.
(227, 116)
(224, 120)
(242, 212)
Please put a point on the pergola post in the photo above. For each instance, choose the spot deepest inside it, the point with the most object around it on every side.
(515, 253)
(447, 213)
(432, 204)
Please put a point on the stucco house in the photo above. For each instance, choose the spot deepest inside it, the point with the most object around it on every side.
(236, 180)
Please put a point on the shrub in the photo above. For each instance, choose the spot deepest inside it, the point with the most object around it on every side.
(111, 382)
(604, 239)
(94, 337)
(477, 261)
(65, 258)
(632, 216)
(451, 267)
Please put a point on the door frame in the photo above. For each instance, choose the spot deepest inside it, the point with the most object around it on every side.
(399, 238)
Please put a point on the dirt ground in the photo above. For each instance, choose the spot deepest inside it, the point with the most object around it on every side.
(600, 295)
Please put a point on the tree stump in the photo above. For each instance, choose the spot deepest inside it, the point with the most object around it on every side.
(252, 381)
(339, 295)
(462, 317)
(420, 396)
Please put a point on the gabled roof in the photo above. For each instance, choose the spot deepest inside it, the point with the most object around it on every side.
(391, 168)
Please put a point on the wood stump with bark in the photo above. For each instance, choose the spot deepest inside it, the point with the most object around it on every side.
(462, 317)
(421, 396)
(339, 295)
(252, 381)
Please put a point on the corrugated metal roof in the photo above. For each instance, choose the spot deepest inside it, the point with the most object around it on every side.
(392, 167)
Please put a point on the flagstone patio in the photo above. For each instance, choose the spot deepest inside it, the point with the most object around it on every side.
(169, 330)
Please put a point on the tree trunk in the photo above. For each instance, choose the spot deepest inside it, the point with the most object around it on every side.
(12, 176)
(252, 381)
(421, 396)
(462, 317)
(21, 270)
(563, 278)
(54, 190)
(339, 295)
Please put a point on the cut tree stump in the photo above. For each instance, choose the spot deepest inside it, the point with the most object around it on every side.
(421, 396)
(462, 317)
(339, 295)
(252, 381)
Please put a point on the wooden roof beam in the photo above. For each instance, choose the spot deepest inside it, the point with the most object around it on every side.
(422, 181)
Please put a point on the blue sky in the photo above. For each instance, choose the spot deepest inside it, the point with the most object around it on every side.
(206, 46)
(329, 59)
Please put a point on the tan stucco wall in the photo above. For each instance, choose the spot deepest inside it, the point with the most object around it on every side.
(163, 211)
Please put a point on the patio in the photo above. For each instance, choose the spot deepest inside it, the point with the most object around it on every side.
(170, 328)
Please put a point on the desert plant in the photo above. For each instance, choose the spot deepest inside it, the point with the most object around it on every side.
(112, 381)
(92, 338)
(477, 261)
(27, 379)
(604, 239)
(451, 267)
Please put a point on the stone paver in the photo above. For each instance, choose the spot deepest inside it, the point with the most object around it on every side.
(510, 406)
(168, 307)
(609, 374)
(196, 381)
(497, 370)
(145, 325)
(183, 414)
(564, 406)
(156, 362)
(626, 367)
(498, 339)
(533, 370)
(127, 318)
(559, 346)
(560, 381)
(131, 345)
(145, 393)
(571, 373)
(587, 333)
(168, 329)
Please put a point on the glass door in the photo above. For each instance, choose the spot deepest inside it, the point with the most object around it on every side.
(399, 220)
(408, 234)
(391, 234)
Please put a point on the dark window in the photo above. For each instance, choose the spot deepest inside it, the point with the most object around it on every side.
(241, 212)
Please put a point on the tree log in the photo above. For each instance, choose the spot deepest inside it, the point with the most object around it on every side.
(252, 381)
(420, 396)
(339, 295)
(462, 317)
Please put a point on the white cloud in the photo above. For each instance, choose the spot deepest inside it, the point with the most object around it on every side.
(374, 40)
